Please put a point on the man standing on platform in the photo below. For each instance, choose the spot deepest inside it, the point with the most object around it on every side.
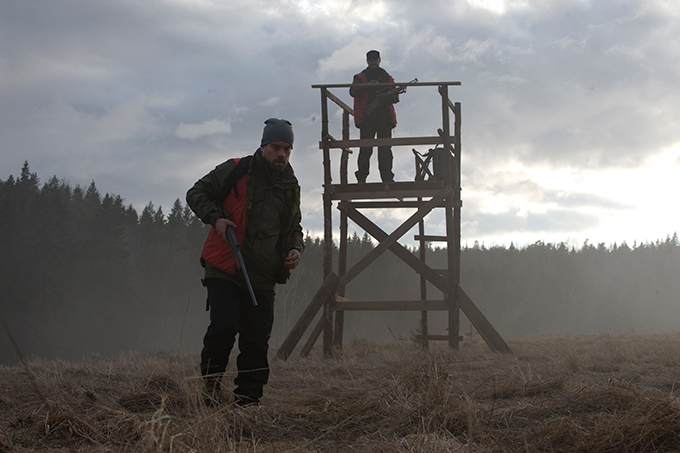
(259, 197)
(374, 115)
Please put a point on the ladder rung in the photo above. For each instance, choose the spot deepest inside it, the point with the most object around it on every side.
(418, 237)
(438, 337)
(343, 304)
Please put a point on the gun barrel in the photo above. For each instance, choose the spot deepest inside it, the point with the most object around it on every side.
(236, 251)
(239, 257)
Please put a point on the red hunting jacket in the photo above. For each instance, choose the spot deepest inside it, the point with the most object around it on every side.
(215, 250)
(361, 101)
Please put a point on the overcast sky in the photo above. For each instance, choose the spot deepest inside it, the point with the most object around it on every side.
(570, 108)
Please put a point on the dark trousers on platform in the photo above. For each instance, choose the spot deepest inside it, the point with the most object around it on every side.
(232, 312)
(369, 130)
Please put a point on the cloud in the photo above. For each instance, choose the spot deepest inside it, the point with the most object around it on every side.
(553, 223)
(66, 124)
(195, 131)
(272, 101)
(571, 89)
(497, 6)
(350, 57)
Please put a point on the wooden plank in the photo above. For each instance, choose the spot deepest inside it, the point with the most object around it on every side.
(483, 326)
(391, 305)
(386, 241)
(378, 187)
(438, 337)
(381, 204)
(323, 294)
(373, 191)
(406, 256)
(313, 337)
(476, 317)
(398, 194)
(426, 238)
(416, 84)
(341, 104)
(394, 141)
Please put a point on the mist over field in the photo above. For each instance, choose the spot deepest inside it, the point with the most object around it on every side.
(81, 273)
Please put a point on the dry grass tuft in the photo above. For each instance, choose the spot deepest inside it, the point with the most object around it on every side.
(578, 393)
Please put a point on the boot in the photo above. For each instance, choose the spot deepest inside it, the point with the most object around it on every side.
(245, 401)
(212, 392)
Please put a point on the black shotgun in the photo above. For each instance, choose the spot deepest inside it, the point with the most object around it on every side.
(236, 251)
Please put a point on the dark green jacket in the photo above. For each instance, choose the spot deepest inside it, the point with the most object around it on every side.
(272, 218)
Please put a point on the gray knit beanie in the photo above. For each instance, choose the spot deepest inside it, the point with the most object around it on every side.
(277, 130)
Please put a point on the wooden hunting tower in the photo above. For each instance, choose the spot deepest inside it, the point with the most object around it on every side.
(440, 191)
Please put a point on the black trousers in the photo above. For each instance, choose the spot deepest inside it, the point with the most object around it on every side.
(232, 312)
(369, 130)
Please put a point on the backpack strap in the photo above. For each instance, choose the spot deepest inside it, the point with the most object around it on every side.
(237, 173)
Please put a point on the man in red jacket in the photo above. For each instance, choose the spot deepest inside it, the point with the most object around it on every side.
(261, 195)
(371, 121)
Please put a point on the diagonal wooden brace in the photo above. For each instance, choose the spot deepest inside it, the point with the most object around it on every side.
(323, 294)
(486, 330)
(388, 240)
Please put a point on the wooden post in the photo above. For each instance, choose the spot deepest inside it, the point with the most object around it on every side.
(423, 284)
(451, 252)
(345, 152)
(309, 344)
(328, 225)
(457, 203)
(342, 254)
(342, 268)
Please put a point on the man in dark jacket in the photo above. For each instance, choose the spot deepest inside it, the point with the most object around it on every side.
(262, 197)
(371, 121)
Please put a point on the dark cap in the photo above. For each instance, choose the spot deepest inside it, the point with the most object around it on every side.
(372, 55)
(277, 130)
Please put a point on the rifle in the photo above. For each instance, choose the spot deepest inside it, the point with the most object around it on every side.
(236, 251)
(371, 106)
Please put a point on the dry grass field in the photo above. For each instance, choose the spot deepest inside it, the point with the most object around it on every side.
(600, 393)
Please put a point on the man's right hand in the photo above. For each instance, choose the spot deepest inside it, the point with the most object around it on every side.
(221, 227)
(384, 98)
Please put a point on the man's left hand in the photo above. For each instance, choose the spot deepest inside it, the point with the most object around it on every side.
(293, 259)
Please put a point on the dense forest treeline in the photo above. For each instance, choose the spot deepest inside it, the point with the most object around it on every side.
(82, 273)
